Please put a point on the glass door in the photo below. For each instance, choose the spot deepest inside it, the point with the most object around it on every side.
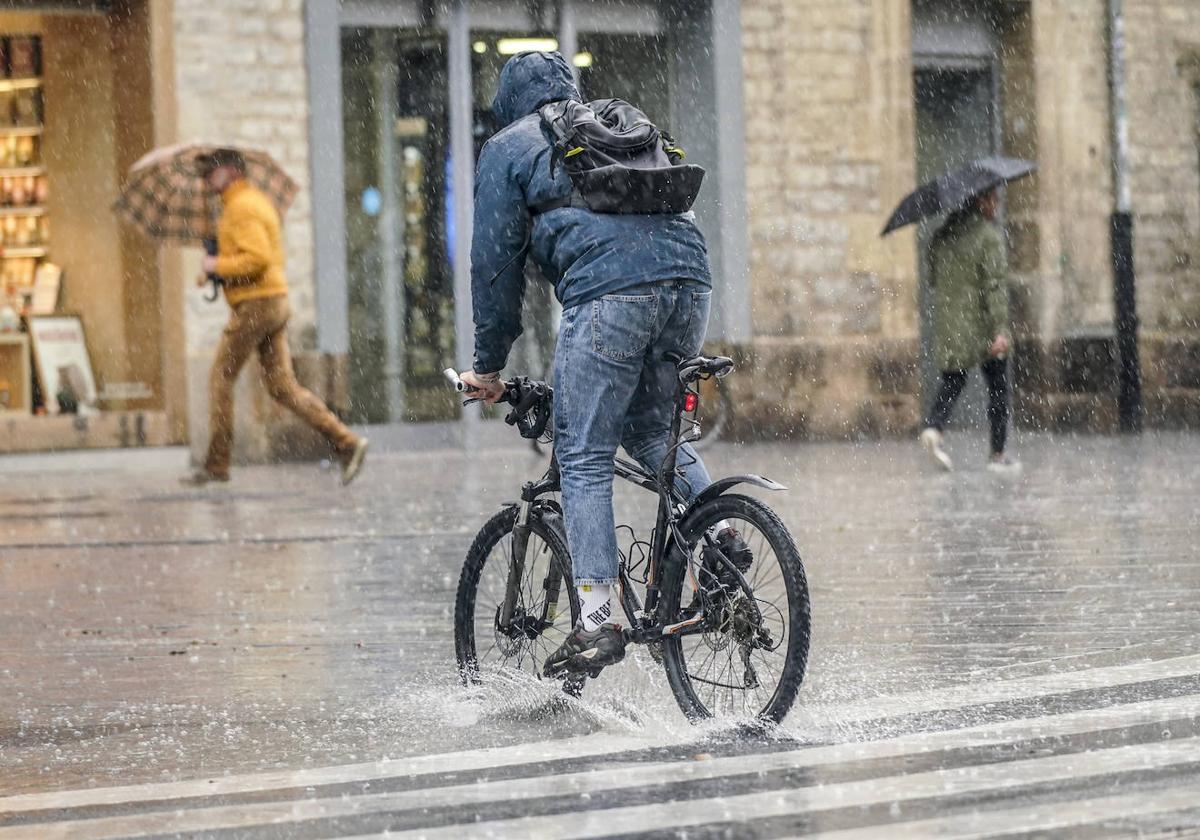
(399, 223)
(954, 125)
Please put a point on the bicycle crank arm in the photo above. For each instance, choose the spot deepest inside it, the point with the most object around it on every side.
(650, 635)
(672, 629)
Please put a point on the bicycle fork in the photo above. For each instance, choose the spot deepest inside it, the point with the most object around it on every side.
(552, 585)
(516, 566)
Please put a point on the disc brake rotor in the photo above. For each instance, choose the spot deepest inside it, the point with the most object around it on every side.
(509, 644)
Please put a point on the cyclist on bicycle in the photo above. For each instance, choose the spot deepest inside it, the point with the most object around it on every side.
(633, 287)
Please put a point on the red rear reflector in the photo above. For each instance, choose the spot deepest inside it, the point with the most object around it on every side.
(691, 401)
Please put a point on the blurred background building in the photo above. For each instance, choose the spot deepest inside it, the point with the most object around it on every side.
(813, 118)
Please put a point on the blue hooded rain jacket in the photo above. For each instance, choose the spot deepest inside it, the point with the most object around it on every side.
(585, 255)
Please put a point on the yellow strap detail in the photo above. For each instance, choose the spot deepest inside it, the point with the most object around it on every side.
(675, 150)
(574, 151)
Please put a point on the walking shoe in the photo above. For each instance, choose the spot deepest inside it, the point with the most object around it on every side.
(730, 543)
(586, 651)
(352, 463)
(200, 478)
(1003, 464)
(734, 547)
(931, 439)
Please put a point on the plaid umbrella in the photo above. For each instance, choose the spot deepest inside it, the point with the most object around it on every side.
(165, 195)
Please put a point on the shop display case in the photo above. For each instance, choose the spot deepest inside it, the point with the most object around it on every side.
(24, 224)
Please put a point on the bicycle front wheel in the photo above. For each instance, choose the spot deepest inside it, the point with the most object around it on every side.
(545, 609)
(749, 653)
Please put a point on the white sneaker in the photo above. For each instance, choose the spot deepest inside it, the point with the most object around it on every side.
(1004, 464)
(931, 439)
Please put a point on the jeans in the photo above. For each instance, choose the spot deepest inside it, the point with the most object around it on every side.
(612, 388)
(260, 325)
(995, 371)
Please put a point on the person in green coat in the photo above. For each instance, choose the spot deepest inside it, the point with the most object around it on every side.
(969, 280)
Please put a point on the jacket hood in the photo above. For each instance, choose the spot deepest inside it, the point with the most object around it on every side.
(529, 81)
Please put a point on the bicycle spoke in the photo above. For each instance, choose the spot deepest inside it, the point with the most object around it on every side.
(727, 675)
(523, 653)
(734, 654)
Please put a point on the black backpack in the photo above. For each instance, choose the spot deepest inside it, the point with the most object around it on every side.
(619, 161)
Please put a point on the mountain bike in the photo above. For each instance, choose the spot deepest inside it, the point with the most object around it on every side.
(733, 641)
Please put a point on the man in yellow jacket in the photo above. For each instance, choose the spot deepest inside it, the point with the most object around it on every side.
(250, 262)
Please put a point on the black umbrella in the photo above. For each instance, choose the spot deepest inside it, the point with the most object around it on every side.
(954, 189)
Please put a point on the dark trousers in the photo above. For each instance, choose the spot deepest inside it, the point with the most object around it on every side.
(995, 371)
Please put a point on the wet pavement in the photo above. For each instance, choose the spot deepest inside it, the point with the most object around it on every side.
(267, 646)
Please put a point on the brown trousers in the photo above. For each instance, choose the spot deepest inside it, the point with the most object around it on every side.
(261, 324)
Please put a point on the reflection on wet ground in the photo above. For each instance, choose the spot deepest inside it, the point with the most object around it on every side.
(152, 633)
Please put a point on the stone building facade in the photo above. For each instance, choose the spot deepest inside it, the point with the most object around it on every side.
(831, 96)
(830, 146)
(830, 150)
(1164, 76)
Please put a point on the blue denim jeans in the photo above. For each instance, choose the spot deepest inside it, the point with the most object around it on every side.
(612, 388)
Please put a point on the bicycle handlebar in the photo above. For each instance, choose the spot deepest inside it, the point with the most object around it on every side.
(531, 402)
(516, 391)
(512, 388)
(455, 381)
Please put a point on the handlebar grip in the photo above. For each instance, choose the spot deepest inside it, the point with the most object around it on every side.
(452, 376)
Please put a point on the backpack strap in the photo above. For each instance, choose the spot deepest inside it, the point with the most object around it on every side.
(554, 117)
(572, 200)
(674, 152)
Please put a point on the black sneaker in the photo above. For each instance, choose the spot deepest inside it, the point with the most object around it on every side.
(586, 651)
(735, 548)
(731, 544)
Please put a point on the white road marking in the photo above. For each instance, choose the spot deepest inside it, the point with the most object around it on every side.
(779, 803)
(602, 743)
(610, 778)
(583, 746)
(954, 697)
(1048, 817)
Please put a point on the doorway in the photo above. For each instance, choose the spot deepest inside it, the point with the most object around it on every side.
(956, 122)
(399, 236)
(412, 80)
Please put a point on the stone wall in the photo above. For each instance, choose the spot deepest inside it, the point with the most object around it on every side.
(1164, 108)
(1055, 103)
(1164, 94)
(1067, 362)
(240, 78)
(829, 150)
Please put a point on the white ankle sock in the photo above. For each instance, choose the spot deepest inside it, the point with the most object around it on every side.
(595, 605)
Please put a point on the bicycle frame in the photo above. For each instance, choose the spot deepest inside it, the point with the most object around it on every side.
(671, 507)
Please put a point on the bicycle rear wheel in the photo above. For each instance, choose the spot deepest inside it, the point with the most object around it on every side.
(750, 658)
(547, 605)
